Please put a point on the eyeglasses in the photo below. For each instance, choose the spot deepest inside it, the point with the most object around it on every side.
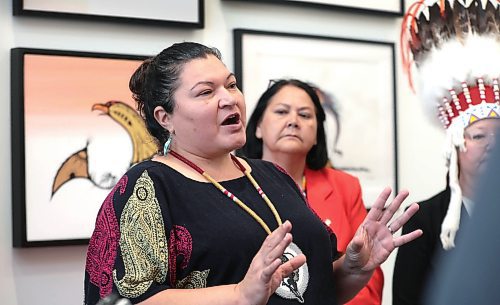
(480, 138)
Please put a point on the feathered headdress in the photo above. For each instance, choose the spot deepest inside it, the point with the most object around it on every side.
(455, 45)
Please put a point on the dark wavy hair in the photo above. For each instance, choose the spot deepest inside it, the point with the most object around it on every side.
(317, 157)
(156, 80)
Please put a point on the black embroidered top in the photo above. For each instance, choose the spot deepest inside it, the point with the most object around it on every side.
(158, 229)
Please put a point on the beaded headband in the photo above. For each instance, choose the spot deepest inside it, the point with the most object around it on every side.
(455, 46)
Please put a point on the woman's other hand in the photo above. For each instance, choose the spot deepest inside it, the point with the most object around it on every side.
(374, 241)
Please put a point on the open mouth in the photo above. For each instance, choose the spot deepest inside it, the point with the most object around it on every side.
(232, 119)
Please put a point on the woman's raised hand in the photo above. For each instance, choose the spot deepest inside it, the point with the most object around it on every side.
(374, 241)
(266, 270)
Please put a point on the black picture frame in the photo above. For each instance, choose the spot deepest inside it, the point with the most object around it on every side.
(52, 97)
(349, 70)
(185, 14)
(395, 8)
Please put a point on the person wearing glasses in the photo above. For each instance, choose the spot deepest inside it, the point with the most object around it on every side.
(198, 225)
(458, 74)
(287, 128)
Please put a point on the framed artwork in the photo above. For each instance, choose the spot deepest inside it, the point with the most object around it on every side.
(185, 13)
(358, 79)
(75, 132)
(380, 7)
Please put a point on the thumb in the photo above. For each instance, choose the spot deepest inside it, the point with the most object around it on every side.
(358, 241)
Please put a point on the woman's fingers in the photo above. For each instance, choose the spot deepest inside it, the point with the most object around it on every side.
(275, 244)
(400, 221)
(277, 252)
(377, 208)
(285, 268)
(379, 213)
(403, 239)
(275, 238)
(273, 249)
(393, 207)
(293, 264)
(269, 270)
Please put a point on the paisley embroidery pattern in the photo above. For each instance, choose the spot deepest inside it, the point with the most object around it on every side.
(103, 243)
(143, 241)
(196, 279)
(180, 244)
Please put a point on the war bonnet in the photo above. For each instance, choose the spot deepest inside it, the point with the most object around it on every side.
(455, 47)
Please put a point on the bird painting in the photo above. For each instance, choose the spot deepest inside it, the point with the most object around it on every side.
(77, 164)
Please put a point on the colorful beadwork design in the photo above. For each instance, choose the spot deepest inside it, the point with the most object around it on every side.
(472, 104)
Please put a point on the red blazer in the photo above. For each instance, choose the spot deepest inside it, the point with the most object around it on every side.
(336, 197)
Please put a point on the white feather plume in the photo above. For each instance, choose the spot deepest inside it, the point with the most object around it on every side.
(454, 62)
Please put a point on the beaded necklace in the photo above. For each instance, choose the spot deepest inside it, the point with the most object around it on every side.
(292, 287)
(240, 203)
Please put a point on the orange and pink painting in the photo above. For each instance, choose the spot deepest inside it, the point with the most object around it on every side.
(81, 133)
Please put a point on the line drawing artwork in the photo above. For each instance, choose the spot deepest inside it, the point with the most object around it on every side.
(75, 133)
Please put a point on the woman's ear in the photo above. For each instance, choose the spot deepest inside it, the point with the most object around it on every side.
(258, 132)
(163, 118)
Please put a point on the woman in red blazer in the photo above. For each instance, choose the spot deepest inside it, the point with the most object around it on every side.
(286, 128)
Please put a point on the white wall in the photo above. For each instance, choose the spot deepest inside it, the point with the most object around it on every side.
(55, 275)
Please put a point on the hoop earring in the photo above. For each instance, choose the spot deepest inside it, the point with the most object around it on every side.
(166, 147)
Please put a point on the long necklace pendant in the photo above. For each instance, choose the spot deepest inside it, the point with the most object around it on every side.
(295, 285)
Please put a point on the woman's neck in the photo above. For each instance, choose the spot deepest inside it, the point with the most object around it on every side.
(219, 167)
(293, 164)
